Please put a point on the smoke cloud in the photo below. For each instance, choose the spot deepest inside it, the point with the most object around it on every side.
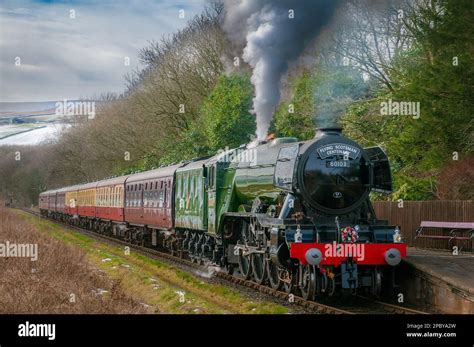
(273, 34)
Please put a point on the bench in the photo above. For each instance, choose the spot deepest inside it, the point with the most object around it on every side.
(455, 227)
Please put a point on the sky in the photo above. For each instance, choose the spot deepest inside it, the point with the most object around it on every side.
(56, 50)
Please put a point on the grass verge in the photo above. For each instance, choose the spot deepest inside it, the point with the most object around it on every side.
(162, 287)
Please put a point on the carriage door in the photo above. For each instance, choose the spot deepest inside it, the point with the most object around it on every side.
(211, 198)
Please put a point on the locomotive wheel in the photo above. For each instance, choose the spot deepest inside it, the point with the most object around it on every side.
(245, 265)
(186, 239)
(290, 280)
(230, 268)
(207, 248)
(324, 282)
(175, 246)
(319, 283)
(376, 282)
(308, 282)
(274, 275)
(259, 268)
(191, 246)
(331, 285)
(198, 249)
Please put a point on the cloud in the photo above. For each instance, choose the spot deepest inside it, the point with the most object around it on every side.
(63, 57)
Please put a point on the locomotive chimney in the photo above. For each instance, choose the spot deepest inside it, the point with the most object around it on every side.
(328, 131)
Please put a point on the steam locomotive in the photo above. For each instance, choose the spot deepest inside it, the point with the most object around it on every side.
(295, 215)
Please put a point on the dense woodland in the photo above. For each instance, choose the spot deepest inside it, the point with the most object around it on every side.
(192, 99)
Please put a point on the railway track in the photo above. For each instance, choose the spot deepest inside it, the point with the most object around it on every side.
(370, 306)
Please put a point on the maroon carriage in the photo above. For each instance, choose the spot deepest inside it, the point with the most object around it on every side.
(60, 200)
(52, 201)
(149, 199)
(43, 202)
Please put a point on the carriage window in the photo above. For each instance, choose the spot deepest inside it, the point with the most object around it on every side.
(161, 200)
(166, 195)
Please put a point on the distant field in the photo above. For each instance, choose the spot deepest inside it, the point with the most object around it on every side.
(19, 108)
(28, 113)
(37, 133)
(30, 123)
(14, 129)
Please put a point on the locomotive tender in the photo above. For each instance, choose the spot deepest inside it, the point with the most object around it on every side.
(295, 215)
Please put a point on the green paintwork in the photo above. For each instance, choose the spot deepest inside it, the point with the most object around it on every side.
(255, 179)
(220, 189)
(191, 197)
(239, 182)
(207, 189)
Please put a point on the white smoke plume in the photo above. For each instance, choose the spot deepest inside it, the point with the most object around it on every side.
(273, 34)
